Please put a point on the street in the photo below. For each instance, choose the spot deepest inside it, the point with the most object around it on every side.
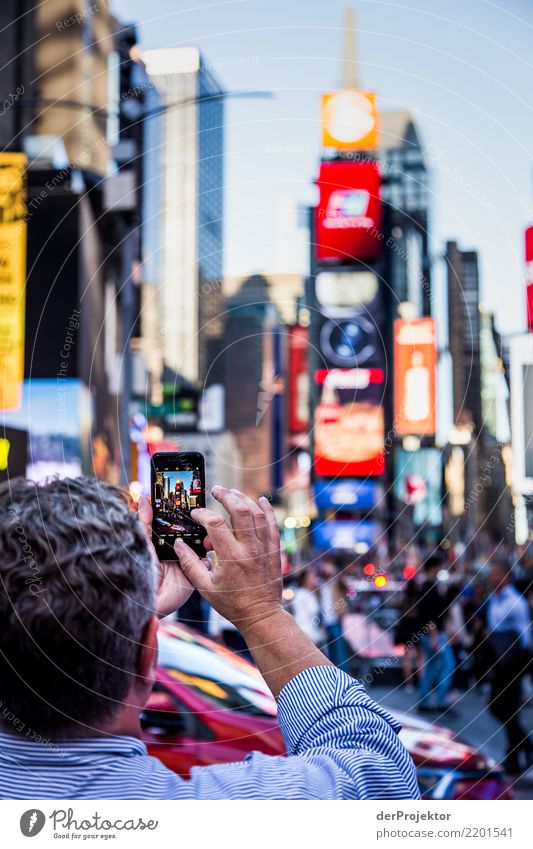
(471, 720)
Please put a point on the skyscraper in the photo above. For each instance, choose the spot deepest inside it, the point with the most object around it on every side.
(192, 210)
(464, 333)
(405, 191)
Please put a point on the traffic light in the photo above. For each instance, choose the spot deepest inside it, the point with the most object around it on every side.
(409, 571)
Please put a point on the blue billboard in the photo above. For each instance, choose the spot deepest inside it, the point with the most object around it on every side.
(346, 493)
(344, 535)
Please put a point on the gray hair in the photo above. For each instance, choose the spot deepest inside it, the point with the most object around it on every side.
(76, 592)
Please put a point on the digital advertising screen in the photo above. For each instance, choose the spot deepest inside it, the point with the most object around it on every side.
(298, 379)
(344, 535)
(349, 426)
(415, 364)
(350, 120)
(12, 277)
(529, 275)
(351, 339)
(13, 453)
(522, 412)
(418, 483)
(56, 416)
(345, 494)
(348, 215)
(346, 288)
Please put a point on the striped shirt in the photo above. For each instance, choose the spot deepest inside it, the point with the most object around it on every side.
(341, 745)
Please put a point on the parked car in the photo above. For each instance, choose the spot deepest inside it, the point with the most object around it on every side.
(211, 706)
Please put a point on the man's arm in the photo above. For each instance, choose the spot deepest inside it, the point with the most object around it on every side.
(245, 586)
(343, 744)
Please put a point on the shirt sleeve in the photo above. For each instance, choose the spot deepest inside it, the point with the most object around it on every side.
(340, 745)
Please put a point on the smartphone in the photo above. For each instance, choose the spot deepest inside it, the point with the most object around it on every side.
(178, 486)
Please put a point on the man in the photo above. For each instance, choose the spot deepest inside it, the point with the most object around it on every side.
(439, 662)
(78, 656)
(333, 607)
(509, 639)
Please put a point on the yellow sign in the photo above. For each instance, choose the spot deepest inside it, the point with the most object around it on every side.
(350, 120)
(12, 277)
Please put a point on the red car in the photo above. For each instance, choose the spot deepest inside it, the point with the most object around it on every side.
(210, 706)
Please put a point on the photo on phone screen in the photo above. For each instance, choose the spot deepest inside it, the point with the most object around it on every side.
(178, 486)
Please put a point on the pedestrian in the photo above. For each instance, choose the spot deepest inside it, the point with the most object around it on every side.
(458, 637)
(333, 606)
(224, 632)
(439, 663)
(306, 606)
(509, 638)
(475, 612)
(406, 634)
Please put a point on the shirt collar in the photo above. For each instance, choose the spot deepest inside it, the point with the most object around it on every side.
(23, 747)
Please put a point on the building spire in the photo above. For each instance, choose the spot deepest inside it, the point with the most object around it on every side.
(349, 61)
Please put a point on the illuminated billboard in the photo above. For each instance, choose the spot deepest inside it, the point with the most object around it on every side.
(349, 425)
(56, 415)
(418, 483)
(529, 275)
(346, 288)
(298, 380)
(347, 493)
(348, 215)
(344, 535)
(13, 452)
(415, 361)
(350, 120)
(350, 340)
(12, 277)
(522, 412)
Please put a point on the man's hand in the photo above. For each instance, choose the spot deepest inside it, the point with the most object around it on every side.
(245, 584)
(174, 589)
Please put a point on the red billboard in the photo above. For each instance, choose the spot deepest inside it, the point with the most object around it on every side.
(529, 276)
(415, 360)
(298, 380)
(348, 215)
(349, 431)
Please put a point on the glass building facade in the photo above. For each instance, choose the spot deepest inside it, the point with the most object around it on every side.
(192, 227)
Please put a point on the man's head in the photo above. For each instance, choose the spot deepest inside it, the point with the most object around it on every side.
(76, 602)
(328, 568)
(500, 574)
(307, 579)
(431, 566)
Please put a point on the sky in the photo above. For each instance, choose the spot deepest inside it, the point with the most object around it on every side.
(464, 69)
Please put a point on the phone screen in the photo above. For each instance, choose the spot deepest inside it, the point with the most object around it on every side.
(178, 486)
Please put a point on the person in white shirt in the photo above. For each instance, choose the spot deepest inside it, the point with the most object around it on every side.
(333, 607)
(509, 637)
(225, 632)
(306, 606)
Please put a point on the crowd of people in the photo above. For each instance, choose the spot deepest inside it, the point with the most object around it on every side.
(458, 630)
(473, 634)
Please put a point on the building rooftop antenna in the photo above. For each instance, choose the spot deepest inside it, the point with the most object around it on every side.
(350, 78)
